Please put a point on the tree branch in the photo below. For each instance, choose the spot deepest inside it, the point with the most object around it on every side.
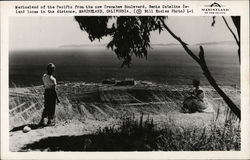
(182, 43)
(213, 83)
(236, 23)
(201, 61)
(237, 41)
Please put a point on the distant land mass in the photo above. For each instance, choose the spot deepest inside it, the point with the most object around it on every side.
(104, 45)
(82, 45)
(157, 44)
(218, 43)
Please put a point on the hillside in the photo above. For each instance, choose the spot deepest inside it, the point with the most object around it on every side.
(86, 107)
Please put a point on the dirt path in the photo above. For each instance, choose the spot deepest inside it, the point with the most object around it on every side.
(18, 139)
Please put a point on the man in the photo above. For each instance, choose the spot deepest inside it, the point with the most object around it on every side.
(198, 91)
(195, 102)
(50, 95)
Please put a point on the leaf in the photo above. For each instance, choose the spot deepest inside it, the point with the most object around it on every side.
(213, 23)
(129, 35)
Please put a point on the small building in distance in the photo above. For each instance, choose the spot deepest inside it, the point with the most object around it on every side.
(126, 82)
(146, 82)
(109, 81)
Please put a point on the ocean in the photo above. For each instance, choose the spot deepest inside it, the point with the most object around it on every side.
(167, 64)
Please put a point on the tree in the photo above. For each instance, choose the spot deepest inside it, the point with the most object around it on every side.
(131, 37)
(236, 22)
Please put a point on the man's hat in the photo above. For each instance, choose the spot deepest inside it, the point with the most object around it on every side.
(51, 66)
(196, 82)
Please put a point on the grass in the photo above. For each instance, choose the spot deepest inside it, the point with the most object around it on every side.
(139, 135)
(143, 134)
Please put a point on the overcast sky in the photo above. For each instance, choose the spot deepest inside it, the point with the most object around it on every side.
(53, 32)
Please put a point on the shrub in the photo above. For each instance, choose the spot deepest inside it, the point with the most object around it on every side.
(139, 135)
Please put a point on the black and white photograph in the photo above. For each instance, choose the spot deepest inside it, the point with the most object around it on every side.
(124, 83)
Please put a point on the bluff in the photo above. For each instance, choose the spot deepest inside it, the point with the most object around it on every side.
(81, 101)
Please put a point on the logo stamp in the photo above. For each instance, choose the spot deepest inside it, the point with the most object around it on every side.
(215, 8)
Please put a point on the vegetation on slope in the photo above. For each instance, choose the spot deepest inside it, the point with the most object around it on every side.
(139, 135)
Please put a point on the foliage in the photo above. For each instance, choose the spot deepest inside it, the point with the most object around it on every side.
(146, 136)
(139, 135)
(130, 35)
(96, 27)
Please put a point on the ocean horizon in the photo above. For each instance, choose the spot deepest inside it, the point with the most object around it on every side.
(168, 64)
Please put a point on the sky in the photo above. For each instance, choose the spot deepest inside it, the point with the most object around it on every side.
(53, 32)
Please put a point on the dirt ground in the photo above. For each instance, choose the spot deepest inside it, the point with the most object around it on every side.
(19, 139)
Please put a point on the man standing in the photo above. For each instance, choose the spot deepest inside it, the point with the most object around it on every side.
(50, 95)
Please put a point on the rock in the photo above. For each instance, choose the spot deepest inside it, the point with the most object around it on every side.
(26, 129)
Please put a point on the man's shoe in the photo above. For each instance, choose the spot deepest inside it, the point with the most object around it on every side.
(50, 123)
(41, 123)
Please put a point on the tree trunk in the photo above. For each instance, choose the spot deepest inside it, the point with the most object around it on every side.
(236, 21)
(213, 83)
(201, 61)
